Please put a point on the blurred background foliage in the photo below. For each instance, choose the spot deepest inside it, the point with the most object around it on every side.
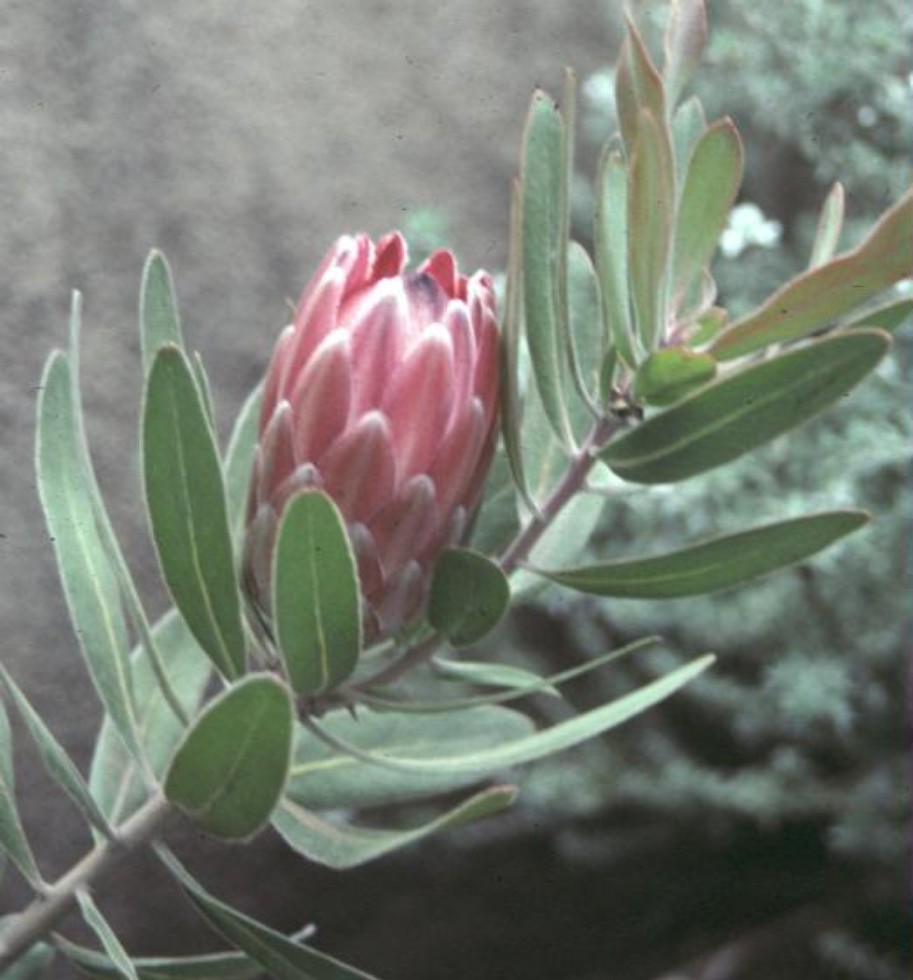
(804, 723)
(797, 744)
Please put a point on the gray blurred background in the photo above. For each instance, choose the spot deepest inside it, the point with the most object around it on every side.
(241, 139)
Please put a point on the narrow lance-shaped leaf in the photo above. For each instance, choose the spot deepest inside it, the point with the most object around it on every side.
(115, 781)
(469, 595)
(186, 500)
(830, 224)
(719, 563)
(57, 763)
(588, 341)
(651, 205)
(500, 675)
(611, 236)
(239, 458)
(32, 965)
(711, 184)
(887, 316)
(208, 966)
(279, 956)
(132, 602)
(89, 583)
(731, 417)
(13, 841)
(818, 296)
(541, 744)
(316, 599)
(340, 846)
(684, 42)
(638, 86)
(688, 125)
(511, 330)
(110, 942)
(158, 310)
(541, 169)
(229, 771)
(323, 778)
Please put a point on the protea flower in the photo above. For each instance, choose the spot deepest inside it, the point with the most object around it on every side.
(382, 393)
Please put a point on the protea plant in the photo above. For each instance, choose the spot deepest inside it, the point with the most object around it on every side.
(383, 394)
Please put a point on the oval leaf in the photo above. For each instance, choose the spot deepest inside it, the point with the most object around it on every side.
(229, 771)
(186, 500)
(611, 241)
(686, 35)
(281, 957)
(711, 184)
(820, 295)
(729, 418)
(719, 563)
(541, 169)
(338, 845)
(316, 600)
(158, 309)
(651, 205)
(469, 595)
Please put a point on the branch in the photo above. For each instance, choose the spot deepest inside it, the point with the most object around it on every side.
(36, 921)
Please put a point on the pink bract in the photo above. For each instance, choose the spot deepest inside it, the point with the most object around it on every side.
(383, 393)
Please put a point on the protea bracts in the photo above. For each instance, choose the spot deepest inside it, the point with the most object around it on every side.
(382, 393)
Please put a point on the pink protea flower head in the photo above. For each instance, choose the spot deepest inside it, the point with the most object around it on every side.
(382, 393)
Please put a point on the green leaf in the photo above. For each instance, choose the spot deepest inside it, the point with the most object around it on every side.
(239, 461)
(718, 563)
(13, 841)
(158, 310)
(541, 169)
(820, 295)
(57, 763)
(32, 965)
(589, 340)
(511, 331)
(686, 35)
(888, 316)
(731, 417)
(638, 86)
(712, 181)
(340, 846)
(669, 374)
(483, 674)
(540, 744)
(322, 778)
(282, 958)
(186, 500)
(210, 966)
(132, 601)
(115, 780)
(229, 771)
(651, 205)
(204, 388)
(469, 596)
(497, 521)
(533, 685)
(688, 125)
(316, 599)
(611, 238)
(830, 224)
(112, 945)
(89, 583)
